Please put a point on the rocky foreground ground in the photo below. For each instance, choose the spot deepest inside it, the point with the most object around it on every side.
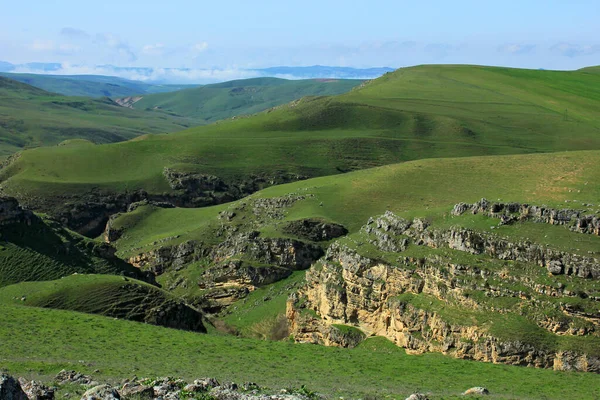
(73, 385)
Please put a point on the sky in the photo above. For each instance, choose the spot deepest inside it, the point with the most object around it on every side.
(233, 35)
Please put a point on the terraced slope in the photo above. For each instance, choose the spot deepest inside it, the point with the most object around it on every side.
(31, 117)
(413, 113)
(38, 249)
(91, 85)
(111, 296)
(219, 101)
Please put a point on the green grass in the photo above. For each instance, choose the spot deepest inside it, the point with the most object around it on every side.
(413, 113)
(45, 251)
(107, 295)
(31, 117)
(263, 304)
(91, 85)
(49, 340)
(418, 188)
(219, 101)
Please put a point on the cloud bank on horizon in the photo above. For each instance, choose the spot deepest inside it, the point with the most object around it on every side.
(191, 41)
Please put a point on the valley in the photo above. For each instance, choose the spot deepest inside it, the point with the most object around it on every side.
(430, 231)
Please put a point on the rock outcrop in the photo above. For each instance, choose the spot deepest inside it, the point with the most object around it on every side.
(12, 213)
(577, 220)
(10, 389)
(438, 302)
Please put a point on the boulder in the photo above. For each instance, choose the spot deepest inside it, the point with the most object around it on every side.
(201, 385)
(102, 392)
(36, 390)
(417, 396)
(477, 390)
(10, 389)
(137, 391)
(65, 376)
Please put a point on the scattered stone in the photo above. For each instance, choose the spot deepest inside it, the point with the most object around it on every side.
(65, 376)
(201, 385)
(101, 392)
(417, 396)
(36, 390)
(137, 391)
(478, 390)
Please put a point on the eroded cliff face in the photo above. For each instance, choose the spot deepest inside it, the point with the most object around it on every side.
(89, 212)
(463, 293)
(238, 259)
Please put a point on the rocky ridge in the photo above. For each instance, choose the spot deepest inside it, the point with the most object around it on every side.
(238, 260)
(437, 301)
(89, 212)
(577, 220)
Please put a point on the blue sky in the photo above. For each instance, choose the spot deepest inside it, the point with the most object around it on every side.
(231, 35)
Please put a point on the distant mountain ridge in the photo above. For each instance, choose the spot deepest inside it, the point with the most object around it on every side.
(190, 75)
(91, 85)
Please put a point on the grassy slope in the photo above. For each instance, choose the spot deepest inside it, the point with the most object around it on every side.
(242, 97)
(49, 340)
(411, 188)
(91, 85)
(112, 296)
(414, 113)
(46, 251)
(31, 117)
(592, 70)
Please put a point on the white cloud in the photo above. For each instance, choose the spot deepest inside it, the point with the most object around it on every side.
(154, 49)
(115, 43)
(74, 33)
(56, 48)
(516, 48)
(43, 45)
(200, 47)
(172, 75)
(575, 50)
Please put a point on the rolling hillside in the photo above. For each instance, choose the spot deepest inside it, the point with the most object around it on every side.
(413, 113)
(234, 98)
(204, 254)
(91, 85)
(117, 348)
(111, 296)
(31, 117)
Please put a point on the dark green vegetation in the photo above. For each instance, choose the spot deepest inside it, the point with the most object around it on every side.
(43, 250)
(410, 189)
(91, 85)
(413, 113)
(111, 296)
(50, 340)
(219, 101)
(31, 117)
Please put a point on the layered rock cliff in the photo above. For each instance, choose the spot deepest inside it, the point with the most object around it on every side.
(458, 291)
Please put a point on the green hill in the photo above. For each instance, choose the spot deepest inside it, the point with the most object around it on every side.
(111, 296)
(31, 117)
(160, 239)
(34, 248)
(413, 113)
(215, 102)
(91, 85)
(51, 340)
(410, 188)
(591, 70)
